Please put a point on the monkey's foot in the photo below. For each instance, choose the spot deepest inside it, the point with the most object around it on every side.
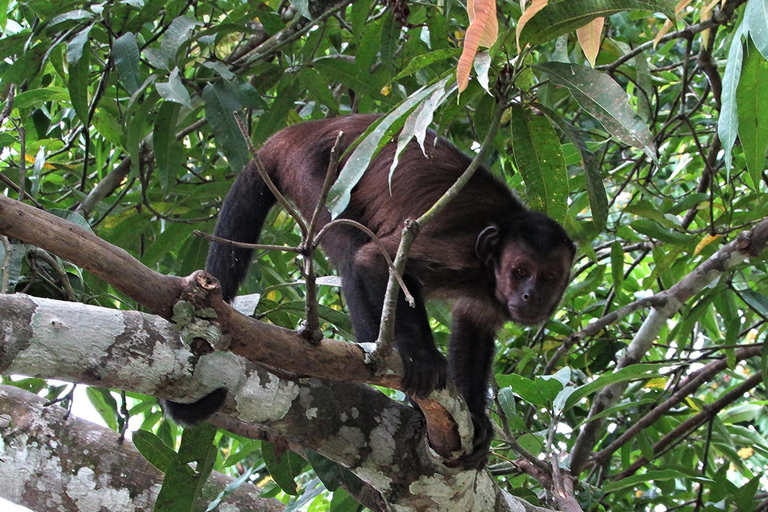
(425, 370)
(482, 443)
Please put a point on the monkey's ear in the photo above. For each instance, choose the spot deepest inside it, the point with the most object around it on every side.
(487, 243)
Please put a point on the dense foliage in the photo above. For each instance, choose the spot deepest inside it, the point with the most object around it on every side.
(119, 116)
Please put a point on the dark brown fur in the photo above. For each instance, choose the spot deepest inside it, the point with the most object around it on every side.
(496, 259)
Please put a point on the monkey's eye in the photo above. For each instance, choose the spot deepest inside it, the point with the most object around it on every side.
(521, 272)
(549, 278)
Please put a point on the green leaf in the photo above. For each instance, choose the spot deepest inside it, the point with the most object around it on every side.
(728, 123)
(756, 20)
(347, 73)
(636, 371)
(332, 474)
(174, 90)
(559, 18)
(169, 152)
(178, 33)
(274, 119)
(425, 59)
(752, 108)
(539, 158)
(655, 230)
(78, 79)
(617, 266)
(220, 103)
(154, 449)
(390, 33)
(104, 403)
(605, 100)
(376, 137)
(125, 52)
(654, 476)
(756, 301)
(284, 470)
(318, 87)
(525, 388)
(37, 97)
(598, 199)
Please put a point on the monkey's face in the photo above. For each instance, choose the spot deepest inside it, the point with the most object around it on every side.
(531, 284)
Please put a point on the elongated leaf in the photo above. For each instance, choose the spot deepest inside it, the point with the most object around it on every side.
(154, 449)
(536, 6)
(636, 371)
(169, 152)
(104, 403)
(284, 470)
(78, 57)
(125, 52)
(425, 59)
(589, 38)
(36, 97)
(347, 73)
(598, 199)
(220, 103)
(728, 124)
(752, 107)
(663, 474)
(483, 31)
(605, 100)
(174, 90)
(559, 18)
(373, 140)
(756, 19)
(539, 158)
(177, 34)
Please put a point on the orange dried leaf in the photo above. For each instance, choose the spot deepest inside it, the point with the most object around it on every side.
(535, 7)
(682, 4)
(589, 38)
(483, 31)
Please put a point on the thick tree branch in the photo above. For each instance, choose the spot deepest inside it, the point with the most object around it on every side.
(53, 462)
(381, 440)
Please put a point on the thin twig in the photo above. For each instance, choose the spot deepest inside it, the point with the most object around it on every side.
(411, 230)
(265, 176)
(379, 244)
(311, 328)
(243, 245)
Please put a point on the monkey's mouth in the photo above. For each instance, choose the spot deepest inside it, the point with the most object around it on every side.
(524, 316)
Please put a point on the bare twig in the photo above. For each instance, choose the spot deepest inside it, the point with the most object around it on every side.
(377, 241)
(243, 245)
(265, 176)
(411, 230)
(311, 328)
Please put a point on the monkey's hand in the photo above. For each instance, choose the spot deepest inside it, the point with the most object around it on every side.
(425, 370)
(482, 443)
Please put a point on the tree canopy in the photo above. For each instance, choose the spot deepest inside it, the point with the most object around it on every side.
(640, 125)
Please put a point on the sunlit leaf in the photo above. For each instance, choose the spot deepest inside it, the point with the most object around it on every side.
(752, 107)
(605, 100)
(483, 31)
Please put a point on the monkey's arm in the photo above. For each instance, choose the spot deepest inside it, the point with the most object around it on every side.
(471, 351)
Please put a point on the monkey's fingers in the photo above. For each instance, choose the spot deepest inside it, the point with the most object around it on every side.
(425, 371)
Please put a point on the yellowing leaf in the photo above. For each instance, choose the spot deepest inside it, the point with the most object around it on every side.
(682, 4)
(589, 38)
(535, 7)
(706, 13)
(483, 31)
(705, 242)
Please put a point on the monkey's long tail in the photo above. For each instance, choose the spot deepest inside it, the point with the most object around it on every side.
(241, 219)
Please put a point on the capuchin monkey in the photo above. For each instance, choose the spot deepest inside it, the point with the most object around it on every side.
(496, 260)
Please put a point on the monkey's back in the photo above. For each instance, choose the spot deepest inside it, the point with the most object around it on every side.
(297, 158)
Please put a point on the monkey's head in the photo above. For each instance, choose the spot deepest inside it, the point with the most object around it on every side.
(531, 261)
